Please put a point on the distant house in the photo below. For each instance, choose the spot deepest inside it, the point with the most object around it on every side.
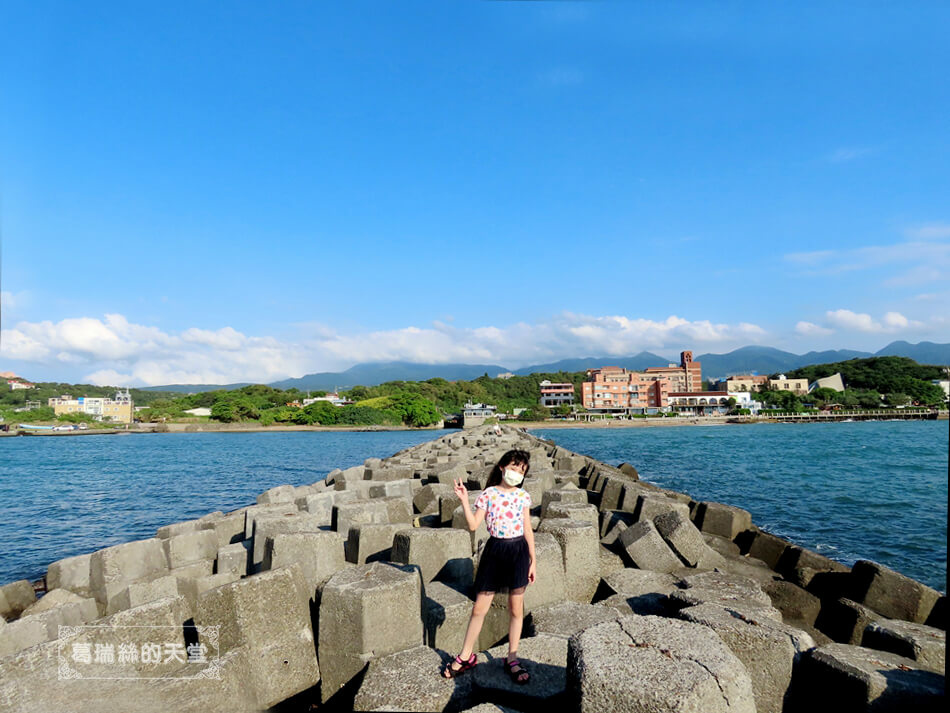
(743, 382)
(476, 414)
(796, 386)
(117, 409)
(16, 384)
(504, 375)
(943, 384)
(199, 411)
(332, 397)
(829, 382)
(553, 394)
(699, 403)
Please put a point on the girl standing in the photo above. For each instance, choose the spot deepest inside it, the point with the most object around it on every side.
(507, 560)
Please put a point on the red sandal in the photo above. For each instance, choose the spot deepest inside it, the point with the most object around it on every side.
(516, 671)
(464, 666)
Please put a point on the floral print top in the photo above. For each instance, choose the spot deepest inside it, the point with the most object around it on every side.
(504, 511)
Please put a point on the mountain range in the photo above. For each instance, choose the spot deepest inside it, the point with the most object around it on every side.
(761, 360)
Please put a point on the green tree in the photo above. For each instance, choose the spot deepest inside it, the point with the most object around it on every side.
(897, 399)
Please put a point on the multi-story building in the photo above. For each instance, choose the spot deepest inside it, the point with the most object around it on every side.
(17, 385)
(118, 409)
(743, 382)
(553, 394)
(796, 386)
(476, 414)
(614, 389)
(687, 376)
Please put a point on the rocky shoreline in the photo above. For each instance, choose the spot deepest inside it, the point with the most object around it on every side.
(349, 594)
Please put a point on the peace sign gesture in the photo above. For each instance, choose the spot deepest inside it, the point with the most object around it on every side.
(458, 487)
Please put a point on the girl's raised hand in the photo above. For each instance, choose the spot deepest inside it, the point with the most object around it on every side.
(460, 490)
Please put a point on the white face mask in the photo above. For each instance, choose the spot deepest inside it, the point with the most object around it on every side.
(512, 477)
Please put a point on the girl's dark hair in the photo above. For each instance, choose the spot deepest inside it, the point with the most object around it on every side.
(517, 458)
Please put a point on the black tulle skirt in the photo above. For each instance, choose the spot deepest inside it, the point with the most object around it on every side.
(503, 565)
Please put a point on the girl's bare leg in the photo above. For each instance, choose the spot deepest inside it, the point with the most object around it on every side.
(516, 619)
(483, 601)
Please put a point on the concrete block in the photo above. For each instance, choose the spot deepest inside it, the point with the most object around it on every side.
(795, 557)
(279, 494)
(178, 528)
(544, 657)
(391, 488)
(192, 587)
(269, 510)
(366, 612)
(443, 554)
(398, 508)
(609, 519)
(725, 547)
(890, 593)
(924, 644)
(853, 678)
(574, 511)
(319, 505)
(798, 606)
(71, 573)
(564, 495)
(768, 548)
(232, 559)
(410, 681)
(371, 543)
(359, 512)
(190, 547)
(228, 529)
(564, 619)
(723, 520)
(477, 538)
(200, 568)
(268, 613)
(319, 555)
(724, 589)
(446, 615)
(650, 506)
(56, 598)
(426, 500)
(610, 562)
(635, 582)
(643, 547)
(844, 620)
(15, 597)
(21, 634)
(580, 549)
(269, 527)
(142, 592)
(766, 647)
(659, 664)
(389, 473)
(682, 536)
(112, 569)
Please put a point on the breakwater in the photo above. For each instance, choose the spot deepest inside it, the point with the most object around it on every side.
(348, 593)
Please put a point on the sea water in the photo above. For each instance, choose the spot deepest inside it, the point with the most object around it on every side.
(848, 490)
(865, 490)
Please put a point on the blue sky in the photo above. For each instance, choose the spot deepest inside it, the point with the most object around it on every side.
(213, 192)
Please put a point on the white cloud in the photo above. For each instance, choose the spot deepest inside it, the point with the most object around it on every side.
(929, 231)
(849, 153)
(862, 322)
(809, 329)
(116, 351)
(924, 258)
